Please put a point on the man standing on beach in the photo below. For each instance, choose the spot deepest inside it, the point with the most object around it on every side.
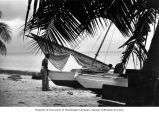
(45, 81)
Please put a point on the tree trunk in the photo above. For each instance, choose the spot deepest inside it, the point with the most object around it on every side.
(150, 72)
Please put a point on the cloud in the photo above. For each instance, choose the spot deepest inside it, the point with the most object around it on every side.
(12, 9)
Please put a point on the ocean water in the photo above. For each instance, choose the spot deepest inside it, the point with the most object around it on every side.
(21, 61)
(32, 62)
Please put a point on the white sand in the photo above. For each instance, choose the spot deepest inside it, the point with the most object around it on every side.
(27, 92)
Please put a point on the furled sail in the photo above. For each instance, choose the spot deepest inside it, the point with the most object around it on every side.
(88, 62)
(60, 54)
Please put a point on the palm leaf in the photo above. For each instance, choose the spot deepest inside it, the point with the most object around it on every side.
(3, 49)
(4, 36)
(28, 10)
(5, 32)
(64, 20)
(85, 13)
(0, 14)
(138, 40)
(41, 43)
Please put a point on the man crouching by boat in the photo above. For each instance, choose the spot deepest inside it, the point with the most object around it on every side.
(45, 72)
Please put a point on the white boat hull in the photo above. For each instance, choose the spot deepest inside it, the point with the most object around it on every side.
(97, 82)
(64, 79)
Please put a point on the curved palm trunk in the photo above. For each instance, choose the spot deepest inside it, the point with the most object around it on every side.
(150, 72)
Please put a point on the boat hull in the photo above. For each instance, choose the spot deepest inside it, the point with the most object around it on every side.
(97, 82)
(64, 79)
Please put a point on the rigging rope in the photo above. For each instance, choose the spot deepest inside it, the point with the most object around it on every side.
(103, 40)
(95, 42)
(109, 44)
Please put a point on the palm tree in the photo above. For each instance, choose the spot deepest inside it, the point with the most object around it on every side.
(69, 18)
(4, 36)
(62, 21)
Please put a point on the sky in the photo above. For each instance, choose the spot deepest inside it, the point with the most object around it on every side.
(14, 12)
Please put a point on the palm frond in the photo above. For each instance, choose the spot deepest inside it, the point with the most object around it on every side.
(3, 49)
(0, 14)
(84, 13)
(62, 21)
(27, 13)
(41, 43)
(35, 6)
(5, 32)
(5, 36)
(137, 42)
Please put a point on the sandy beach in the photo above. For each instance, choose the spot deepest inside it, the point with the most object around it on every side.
(27, 92)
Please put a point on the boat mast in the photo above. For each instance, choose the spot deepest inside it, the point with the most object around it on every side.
(102, 42)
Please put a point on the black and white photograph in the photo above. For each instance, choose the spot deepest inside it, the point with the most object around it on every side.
(88, 55)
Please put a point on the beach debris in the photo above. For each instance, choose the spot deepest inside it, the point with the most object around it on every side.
(37, 76)
(70, 93)
(56, 104)
(63, 89)
(21, 102)
(15, 77)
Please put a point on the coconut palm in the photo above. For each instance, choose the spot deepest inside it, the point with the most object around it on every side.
(4, 36)
(62, 21)
(69, 18)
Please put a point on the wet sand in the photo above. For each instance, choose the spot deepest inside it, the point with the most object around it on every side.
(27, 92)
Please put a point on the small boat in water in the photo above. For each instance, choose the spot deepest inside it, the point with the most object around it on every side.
(64, 78)
(95, 82)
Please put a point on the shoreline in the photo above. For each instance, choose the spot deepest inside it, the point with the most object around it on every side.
(27, 92)
(23, 91)
(21, 72)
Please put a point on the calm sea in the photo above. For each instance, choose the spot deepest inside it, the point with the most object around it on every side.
(32, 62)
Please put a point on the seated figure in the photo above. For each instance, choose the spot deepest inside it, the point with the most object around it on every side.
(119, 68)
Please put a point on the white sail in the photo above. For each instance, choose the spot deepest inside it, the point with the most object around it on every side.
(60, 54)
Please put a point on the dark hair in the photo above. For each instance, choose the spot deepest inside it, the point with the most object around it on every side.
(47, 55)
